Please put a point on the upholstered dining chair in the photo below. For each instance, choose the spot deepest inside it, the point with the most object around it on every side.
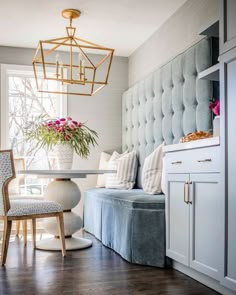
(11, 210)
(16, 194)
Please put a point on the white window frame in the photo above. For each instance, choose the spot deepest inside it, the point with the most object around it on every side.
(21, 70)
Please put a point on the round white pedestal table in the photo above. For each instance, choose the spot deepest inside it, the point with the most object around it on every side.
(67, 193)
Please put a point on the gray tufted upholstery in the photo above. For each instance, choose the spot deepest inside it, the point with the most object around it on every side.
(168, 104)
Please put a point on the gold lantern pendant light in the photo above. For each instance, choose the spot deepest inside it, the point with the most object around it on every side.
(80, 67)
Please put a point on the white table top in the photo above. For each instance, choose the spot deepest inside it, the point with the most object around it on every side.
(64, 173)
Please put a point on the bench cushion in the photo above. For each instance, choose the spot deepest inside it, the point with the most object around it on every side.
(135, 198)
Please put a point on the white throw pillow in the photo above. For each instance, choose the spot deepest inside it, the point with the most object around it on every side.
(152, 172)
(126, 166)
(103, 165)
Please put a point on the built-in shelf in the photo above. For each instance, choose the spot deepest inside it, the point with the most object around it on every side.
(212, 73)
(212, 30)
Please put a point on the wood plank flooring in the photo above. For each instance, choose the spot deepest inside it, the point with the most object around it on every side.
(96, 270)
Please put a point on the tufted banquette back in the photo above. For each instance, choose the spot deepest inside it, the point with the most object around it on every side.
(168, 104)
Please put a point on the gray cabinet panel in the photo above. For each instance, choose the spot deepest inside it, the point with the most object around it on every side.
(231, 173)
(228, 98)
(177, 215)
(227, 25)
(230, 19)
(205, 224)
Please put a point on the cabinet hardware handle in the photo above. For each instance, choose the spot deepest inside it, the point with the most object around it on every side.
(189, 202)
(205, 160)
(186, 192)
(176, 162)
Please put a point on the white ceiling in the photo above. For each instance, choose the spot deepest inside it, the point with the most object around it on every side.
(120, 24)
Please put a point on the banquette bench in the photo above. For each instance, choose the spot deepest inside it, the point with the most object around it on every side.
(168, 104)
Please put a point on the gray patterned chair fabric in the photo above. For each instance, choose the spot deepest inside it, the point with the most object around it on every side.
(165, 106)
(14, 207)
(31, 206)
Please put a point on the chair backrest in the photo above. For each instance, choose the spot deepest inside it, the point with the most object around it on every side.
(14, 186)
(7, 173)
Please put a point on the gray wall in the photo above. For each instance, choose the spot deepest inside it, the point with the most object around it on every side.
(174, 37)
(102, 111)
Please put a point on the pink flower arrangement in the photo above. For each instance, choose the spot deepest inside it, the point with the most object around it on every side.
(215, 107)
(63, 130)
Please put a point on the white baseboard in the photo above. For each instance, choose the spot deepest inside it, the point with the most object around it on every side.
(205, 280)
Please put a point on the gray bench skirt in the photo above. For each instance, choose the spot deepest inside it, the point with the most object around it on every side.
(130, 222)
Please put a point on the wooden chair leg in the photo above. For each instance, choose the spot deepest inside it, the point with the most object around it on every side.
(18, 227)
(6, 238)
(34, 233)
(60, 223)
(25, 232)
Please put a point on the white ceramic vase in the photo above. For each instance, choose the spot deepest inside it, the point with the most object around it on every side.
(216, 126)
(63, 153)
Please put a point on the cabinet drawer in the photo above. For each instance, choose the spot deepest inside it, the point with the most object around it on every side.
(199, 160)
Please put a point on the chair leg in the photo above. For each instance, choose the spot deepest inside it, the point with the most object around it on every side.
(6, 238)
(34, 233)
(60, 223)
(25, 232)
(18, 227)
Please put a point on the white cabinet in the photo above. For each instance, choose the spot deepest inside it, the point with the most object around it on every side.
(193, 209)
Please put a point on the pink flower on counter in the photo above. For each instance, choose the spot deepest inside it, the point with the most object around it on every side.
(215, 107)
(63, 119)
(80, 124)
(69, 118)
(67, 137)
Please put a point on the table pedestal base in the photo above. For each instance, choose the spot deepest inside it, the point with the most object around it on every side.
(54, 244)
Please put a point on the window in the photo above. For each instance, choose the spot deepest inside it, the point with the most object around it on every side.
(21, 103)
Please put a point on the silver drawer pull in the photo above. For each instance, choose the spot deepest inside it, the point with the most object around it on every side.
(205, 160)
(177, 162)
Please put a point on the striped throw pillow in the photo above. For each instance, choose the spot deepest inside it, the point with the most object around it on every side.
(126, 166)
(152, 172)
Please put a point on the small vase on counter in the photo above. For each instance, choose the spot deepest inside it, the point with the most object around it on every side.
(216, 126)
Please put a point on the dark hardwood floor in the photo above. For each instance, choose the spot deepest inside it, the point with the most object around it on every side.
(96, 270)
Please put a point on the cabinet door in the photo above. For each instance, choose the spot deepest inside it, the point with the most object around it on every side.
(228, 76)
(227, 25)
(177, 219)
(205, 223)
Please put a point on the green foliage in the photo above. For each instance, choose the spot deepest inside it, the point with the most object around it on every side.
(50, 132)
